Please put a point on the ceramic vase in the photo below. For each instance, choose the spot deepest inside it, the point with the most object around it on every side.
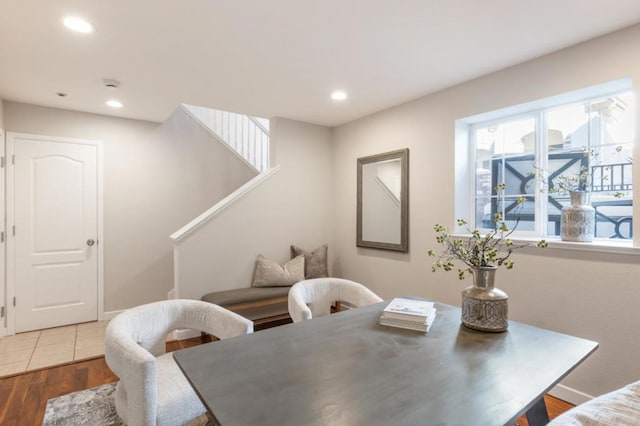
(577, 221)
(485, 307)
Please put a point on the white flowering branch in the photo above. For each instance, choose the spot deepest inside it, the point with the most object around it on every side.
(492, 249)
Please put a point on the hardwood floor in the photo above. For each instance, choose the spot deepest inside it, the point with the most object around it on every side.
(23, 398)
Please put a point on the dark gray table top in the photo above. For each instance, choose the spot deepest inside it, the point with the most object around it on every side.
(346, 369)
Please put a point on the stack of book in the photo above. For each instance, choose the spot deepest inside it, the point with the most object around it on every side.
(408, 313)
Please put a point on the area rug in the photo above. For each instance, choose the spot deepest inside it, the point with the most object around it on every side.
(94, 407)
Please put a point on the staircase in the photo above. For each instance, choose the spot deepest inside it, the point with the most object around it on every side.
(247, 136)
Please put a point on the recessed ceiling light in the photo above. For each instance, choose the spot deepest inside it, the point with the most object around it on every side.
(114, 104)
(338, 95)
(77, 24)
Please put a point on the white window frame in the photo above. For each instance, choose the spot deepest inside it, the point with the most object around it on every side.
(534, 115)
(465, 164)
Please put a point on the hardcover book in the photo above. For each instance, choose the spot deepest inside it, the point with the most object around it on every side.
(419, 311)
(409, 325)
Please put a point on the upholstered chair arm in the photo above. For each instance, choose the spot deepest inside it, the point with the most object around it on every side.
(359, 296)
(136, 368)
(298, 309)
(620, 408)
(215, 320)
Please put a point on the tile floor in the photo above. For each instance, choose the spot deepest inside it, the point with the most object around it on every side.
(44, 348)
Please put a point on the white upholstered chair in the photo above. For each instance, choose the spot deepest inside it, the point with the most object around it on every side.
(152, 389)
(620, 408)
(314, 297)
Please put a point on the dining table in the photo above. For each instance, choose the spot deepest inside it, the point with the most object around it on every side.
(347, 369)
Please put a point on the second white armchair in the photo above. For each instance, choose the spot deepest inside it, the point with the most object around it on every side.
(313, 298)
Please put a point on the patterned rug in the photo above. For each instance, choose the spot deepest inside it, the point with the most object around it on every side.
(91, 407)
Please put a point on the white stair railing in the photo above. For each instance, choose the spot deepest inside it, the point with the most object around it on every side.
(248, 136)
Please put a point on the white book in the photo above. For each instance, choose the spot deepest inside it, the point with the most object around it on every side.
(409, 325)
(412, 320)
(409, 310)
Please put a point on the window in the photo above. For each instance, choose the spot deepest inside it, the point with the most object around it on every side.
(533, 150)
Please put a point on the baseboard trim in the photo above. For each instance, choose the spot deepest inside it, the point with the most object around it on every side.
(106, 316)
(571, 395)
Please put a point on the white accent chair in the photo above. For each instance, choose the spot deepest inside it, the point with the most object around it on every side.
(314, 297)
(620, 408)
(152, 389)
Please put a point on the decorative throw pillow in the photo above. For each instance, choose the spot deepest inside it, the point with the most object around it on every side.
(315, 262)
(270, 274)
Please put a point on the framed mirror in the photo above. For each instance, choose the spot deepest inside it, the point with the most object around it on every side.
(383, 201)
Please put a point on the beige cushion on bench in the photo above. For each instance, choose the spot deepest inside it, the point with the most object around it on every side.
(245, 295)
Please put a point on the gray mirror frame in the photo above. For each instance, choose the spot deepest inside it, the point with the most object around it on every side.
(403, 155)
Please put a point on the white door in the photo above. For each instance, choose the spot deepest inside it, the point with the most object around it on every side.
(54, 208)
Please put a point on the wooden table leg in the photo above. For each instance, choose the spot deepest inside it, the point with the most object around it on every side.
(537, 414)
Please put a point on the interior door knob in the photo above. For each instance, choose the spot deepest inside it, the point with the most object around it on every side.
(90, 242)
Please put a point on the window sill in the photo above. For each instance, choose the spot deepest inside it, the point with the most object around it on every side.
(598, 245)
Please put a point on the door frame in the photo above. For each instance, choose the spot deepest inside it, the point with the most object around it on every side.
(10, 219)
(3, 281)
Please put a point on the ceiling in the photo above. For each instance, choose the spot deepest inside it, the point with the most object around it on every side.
(278, 57)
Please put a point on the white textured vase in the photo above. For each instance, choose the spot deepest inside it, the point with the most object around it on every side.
(577, 221)
(485, 307)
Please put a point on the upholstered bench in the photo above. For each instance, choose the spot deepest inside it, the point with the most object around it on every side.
(266, 301)
(265, 306)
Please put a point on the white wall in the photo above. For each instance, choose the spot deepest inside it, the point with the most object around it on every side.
(156, 179)
(592, 295)
(1, 113)
(293, 206)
